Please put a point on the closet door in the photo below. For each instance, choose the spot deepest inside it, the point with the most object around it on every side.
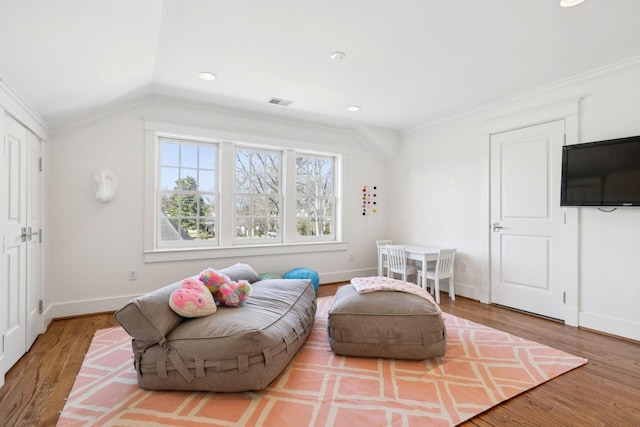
(14, 217)
(20, 261)
(34, 321)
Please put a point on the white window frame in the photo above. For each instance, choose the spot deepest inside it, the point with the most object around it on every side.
(226, 248)
(237, 241)
(333, 197)
(215, 194)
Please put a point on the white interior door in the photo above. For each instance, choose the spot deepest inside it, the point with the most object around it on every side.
(528, 233)
(20, 282)
(34, 321)
(15, 250)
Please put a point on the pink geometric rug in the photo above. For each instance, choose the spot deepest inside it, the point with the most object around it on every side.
(482, 367)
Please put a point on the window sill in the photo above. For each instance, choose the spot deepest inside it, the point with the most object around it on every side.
(166, 255)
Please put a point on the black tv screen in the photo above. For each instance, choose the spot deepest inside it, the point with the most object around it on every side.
(603, 173)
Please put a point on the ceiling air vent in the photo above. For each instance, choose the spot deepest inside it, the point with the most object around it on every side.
(278, 101)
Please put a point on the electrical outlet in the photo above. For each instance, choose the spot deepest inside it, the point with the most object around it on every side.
(351, 257)
(464, 267)
(133, 274)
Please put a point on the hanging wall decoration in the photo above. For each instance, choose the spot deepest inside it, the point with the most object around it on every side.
(369, 200)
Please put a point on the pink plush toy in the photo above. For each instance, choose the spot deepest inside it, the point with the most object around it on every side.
(212, 279)
(192, 299)
(225, 291)
(233, 294)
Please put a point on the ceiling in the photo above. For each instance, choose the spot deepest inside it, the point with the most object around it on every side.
(408, 62)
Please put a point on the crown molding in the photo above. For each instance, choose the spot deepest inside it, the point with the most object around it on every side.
(588, 76)
(21, 110)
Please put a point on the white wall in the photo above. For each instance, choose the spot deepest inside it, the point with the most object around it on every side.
(92, 245)
(445, 200)
(434, 191)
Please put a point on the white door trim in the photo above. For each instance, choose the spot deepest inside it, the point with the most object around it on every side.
(567, 109)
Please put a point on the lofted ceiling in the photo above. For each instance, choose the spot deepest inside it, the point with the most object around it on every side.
(408, 62)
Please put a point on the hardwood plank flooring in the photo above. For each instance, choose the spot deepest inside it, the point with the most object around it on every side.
(36, 387)
(604, 392)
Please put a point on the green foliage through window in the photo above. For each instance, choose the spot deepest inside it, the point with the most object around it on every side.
(187, 212)
(257, 184)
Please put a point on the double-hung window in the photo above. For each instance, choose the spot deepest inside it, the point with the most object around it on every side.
(258, 196)
(315, 197)
(187, 193)
(207, 197)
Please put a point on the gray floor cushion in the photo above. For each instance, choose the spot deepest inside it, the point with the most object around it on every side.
(388, 324)
(236, 349)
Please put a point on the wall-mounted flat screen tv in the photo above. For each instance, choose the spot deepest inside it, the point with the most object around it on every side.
(603, 173)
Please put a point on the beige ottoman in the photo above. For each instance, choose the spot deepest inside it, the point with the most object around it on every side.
(389, 324)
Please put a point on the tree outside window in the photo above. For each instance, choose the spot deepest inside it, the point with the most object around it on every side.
(187, 191)
(207, 197)
(258, 194)
(315, 198)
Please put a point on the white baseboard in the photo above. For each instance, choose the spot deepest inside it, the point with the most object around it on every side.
(614, 326)
(345, 276)
(466, 290)
(610, 325)
(571, 316)
(79, 308)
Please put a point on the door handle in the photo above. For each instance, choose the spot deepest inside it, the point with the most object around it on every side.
(27, 234)
(496, 226)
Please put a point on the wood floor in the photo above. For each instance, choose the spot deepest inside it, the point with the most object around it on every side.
(604, 392)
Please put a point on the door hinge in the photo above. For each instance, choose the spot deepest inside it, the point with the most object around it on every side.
(3, 343)
(564, 297)
(40, 236)
(40, 165)
(40, 307)
(564, 214)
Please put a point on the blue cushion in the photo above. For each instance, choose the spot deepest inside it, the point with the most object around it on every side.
(304, 273)
(267, 276)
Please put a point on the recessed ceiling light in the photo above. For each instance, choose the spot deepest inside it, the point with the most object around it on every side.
(570, 3)
(337, 56)
(206, 75)
(353, 108)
